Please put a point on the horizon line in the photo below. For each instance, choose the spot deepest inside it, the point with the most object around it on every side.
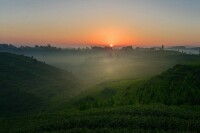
(98, 45)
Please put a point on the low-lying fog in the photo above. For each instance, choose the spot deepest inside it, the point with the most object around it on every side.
(99, 67)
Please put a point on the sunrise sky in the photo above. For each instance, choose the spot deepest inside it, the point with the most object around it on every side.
(100, 22)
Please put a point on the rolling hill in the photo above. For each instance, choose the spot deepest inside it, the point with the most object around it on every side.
(176, 86)
(179, 85)
(27, 84)
(168, 102)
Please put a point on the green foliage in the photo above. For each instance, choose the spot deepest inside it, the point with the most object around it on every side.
(168, 102)
(179, 85)
(108, 92)
(27, 84)
(118, 119)
(176, 86)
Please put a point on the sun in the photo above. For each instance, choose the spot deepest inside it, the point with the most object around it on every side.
(111, 45)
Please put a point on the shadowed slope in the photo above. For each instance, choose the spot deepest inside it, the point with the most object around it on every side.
(26, 83)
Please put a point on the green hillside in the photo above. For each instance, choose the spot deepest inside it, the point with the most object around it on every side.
(176, 86)
(123, 119)
(27, 84)
(37, 97)
(179, 85)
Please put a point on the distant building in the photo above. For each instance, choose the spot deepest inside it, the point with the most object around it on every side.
(127, 48)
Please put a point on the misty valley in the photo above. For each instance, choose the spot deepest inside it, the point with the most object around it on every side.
(99, 66)
(98, 89)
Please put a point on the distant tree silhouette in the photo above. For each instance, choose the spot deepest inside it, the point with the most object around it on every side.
(162, 47)
(127, 48)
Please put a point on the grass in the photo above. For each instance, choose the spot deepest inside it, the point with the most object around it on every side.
(36, 97)
(149, 118)
(29, 85)
(176, 86)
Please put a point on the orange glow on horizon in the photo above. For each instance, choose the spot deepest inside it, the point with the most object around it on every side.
(98, 35)
(100, 23)
(109, 35)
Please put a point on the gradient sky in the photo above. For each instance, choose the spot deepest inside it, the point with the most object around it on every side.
(103, 22)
